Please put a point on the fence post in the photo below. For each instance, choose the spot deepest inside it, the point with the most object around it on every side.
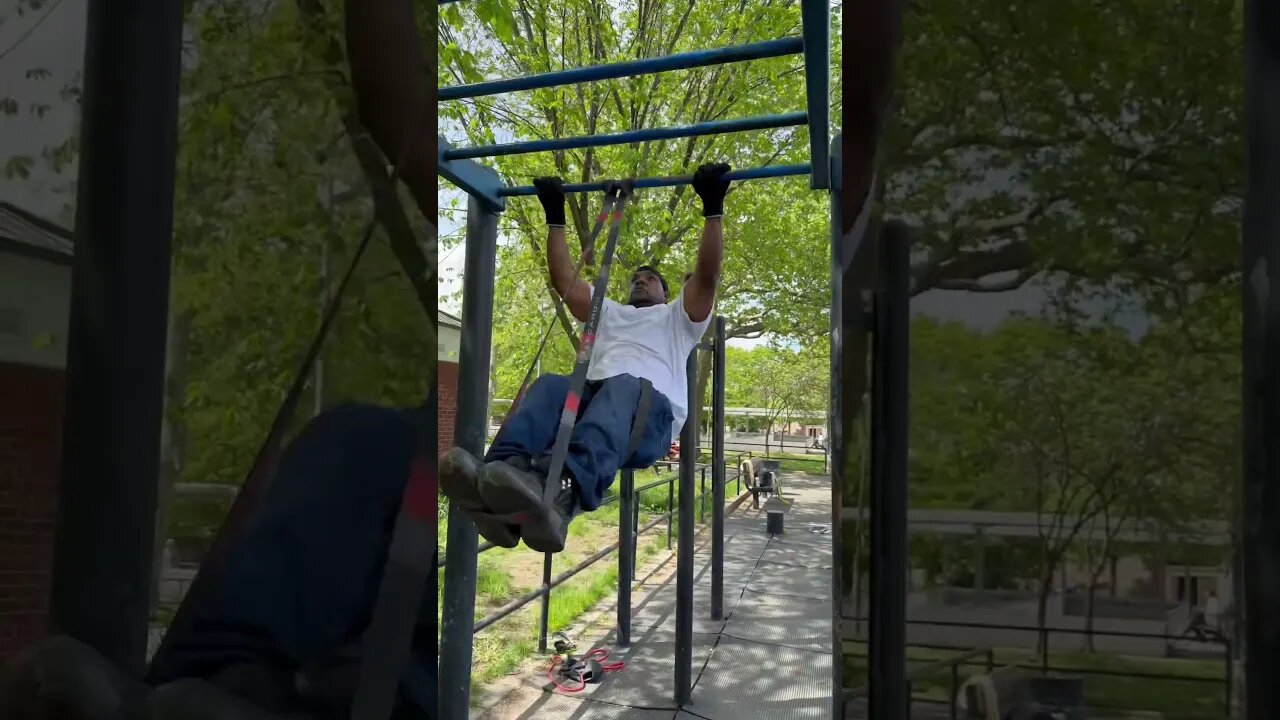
(702, 496)
(955, 682)
(1230, 675)
(671, 489)
(626, 556)
(545, 615)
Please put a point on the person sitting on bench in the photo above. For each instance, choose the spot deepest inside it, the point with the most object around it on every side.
(646, 340)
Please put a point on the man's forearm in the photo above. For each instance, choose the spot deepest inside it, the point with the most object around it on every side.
(710, 252)
(558, 264)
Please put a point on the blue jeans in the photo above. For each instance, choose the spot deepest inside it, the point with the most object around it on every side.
(300, 580)
(600, 438)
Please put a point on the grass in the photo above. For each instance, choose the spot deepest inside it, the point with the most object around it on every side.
(1194, 688)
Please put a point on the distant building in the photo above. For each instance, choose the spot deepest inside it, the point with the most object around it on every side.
(35, 298)
(449, 342)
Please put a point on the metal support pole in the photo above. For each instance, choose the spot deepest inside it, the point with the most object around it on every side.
(835, 433)
(635, 534)
(459, 602)
(626, 556)
(684, 550)
(816, 17)
(702, 495)
(671, 491)
(717, 472)
(117, 329)
(888, 685)
(544, 615)
(1259, 501)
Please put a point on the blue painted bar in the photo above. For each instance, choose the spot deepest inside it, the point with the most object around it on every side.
(472, 177)
(769, 171)
(630, 68)
(816, 16)
(715, 127)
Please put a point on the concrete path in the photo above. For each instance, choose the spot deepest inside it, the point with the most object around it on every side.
(769, 658)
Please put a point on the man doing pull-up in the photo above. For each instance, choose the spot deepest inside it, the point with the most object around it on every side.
(647, 339)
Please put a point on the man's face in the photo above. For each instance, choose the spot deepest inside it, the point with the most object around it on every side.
(646, 290)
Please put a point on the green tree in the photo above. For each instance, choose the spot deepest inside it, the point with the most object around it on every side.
(776, 231)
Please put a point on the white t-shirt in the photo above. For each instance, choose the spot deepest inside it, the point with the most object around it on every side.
(652, 343)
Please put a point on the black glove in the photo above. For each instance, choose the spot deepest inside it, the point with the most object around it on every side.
(614, 188)
(711, 186)
(551, 195)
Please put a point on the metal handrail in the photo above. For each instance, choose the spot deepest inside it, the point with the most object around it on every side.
(544, 590)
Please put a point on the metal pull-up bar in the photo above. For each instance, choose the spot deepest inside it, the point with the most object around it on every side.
(714, 127)
(768, 171)
(629, 68)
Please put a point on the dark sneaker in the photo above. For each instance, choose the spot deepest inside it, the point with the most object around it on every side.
(459, 471)
(513, 492)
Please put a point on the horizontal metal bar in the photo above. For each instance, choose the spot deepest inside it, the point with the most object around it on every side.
(560, 579)
(630, 68)
(753, 174)
(715, 127)
(473, 178)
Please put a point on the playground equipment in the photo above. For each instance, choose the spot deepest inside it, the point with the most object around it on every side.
(488, 195)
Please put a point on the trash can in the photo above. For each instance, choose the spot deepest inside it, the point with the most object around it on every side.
(773, 522)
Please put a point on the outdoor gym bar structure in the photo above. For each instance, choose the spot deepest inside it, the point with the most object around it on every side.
(488, 195)
(117, 332)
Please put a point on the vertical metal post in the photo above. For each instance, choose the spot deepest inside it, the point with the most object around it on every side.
(117, 329)
(702, 495)
(471, 424)
(684, 548)
(626, 556)
(635, 535)
(955, 686)
(888, 685)
(816, 22)
(1230, 677)
(717, 472)
(544, 615)
(835, 435)
(671, 491)
(1259, 502)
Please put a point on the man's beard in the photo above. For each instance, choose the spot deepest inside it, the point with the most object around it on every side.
(643, 302)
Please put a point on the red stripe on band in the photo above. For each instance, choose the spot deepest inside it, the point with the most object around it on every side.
(571, 403)
(617, 214)
(422, 496)
(602, 217)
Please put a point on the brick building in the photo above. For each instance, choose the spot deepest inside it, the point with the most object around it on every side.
(35, 294)
(449, 342)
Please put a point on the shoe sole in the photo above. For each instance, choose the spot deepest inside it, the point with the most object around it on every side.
(459, 471)
(505, 492)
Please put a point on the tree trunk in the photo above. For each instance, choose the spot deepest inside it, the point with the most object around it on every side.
(1042, 608)
(1089, 604)
(173, 441)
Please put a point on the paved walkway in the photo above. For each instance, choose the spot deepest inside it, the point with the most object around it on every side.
(769, 658)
